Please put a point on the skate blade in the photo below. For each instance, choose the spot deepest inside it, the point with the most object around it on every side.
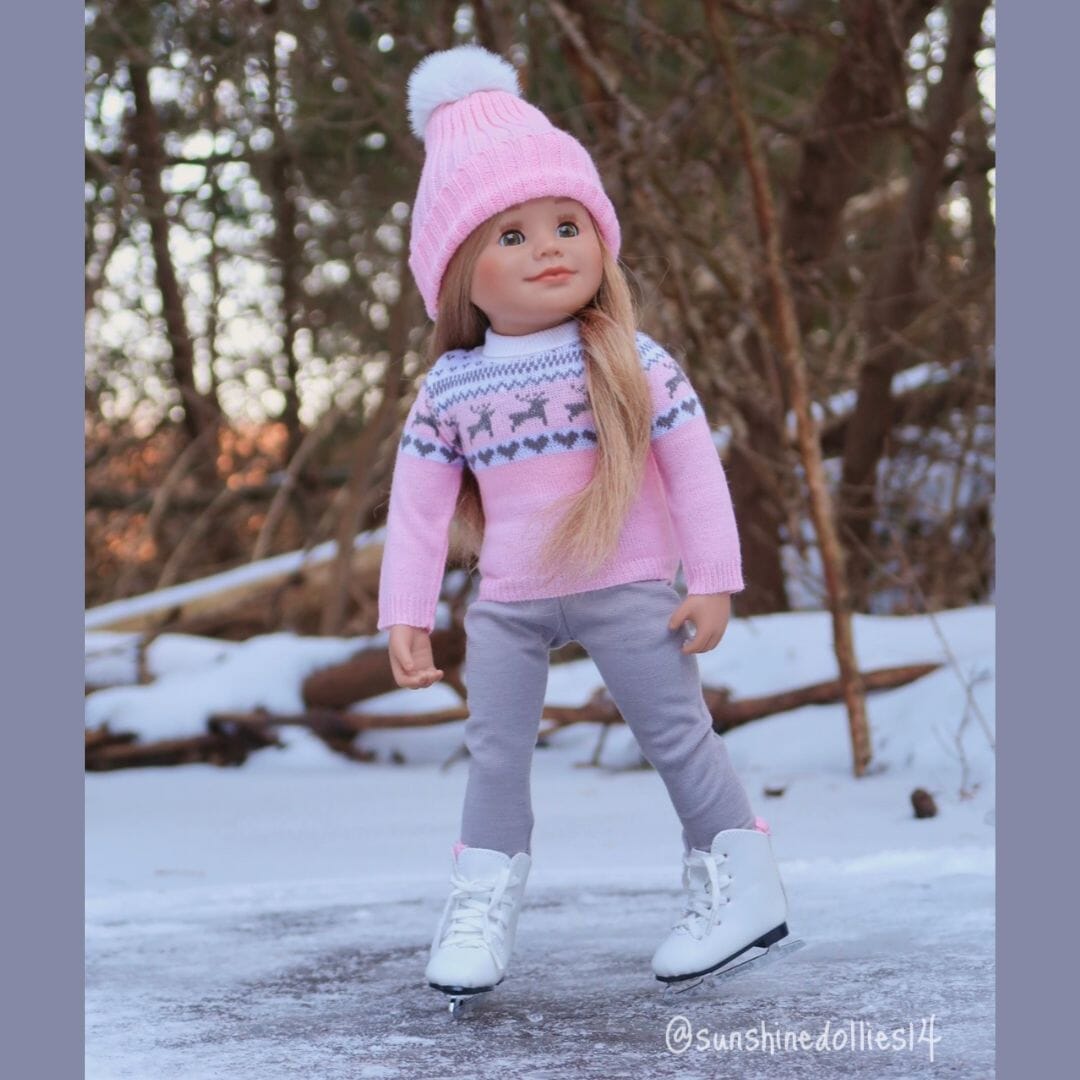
(462, 1006)
(739, 966)
(461, 1002)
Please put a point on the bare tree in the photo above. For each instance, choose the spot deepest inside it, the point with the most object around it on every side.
(790, 349)
(200, 411)
(895, 297)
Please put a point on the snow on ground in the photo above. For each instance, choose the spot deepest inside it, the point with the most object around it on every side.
(274, 920)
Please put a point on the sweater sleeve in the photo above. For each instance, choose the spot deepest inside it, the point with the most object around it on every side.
(697, 492)
(427, 477)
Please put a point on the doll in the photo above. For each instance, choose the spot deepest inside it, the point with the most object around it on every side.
(572, 454)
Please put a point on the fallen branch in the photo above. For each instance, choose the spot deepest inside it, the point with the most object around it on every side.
(368, 674)
(216, 597)
(729, 714)
(107, 750)
(333, 724)
(102, 736)
(232, 736)
(599, 709)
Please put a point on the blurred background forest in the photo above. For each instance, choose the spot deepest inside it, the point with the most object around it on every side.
(253, 335)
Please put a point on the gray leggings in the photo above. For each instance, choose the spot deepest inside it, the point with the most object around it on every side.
(655, 686)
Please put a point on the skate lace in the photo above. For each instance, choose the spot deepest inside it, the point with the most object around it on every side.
(477, 912)
(704, 900)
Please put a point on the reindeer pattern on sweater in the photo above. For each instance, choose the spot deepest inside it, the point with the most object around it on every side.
(485, 415)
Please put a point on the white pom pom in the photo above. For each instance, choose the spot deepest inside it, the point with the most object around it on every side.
(451, 75)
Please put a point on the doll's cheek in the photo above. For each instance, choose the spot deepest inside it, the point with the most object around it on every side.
(489, 277)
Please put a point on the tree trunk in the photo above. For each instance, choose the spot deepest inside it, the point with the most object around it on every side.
(357, 495)
(893, 298)
(760, 515)
(861, 101)
(200, 411)
(977, 184)
(794, 367)
(286, 249)
(287, 255)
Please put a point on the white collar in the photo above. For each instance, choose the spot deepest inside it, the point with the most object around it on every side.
(506, 345)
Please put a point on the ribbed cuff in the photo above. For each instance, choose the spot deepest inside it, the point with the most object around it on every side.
(713, 577)
(409, 610)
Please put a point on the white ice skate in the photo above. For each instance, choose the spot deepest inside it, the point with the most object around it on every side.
(735, 905)
(475, 936)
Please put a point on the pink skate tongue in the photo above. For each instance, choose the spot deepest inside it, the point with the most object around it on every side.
(479, 864)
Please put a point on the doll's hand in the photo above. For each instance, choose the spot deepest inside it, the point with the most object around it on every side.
(410, 657)
(709, 612)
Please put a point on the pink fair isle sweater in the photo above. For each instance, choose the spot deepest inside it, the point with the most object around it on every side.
(515, 411)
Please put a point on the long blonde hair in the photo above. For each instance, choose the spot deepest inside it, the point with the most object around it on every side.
(619, 396)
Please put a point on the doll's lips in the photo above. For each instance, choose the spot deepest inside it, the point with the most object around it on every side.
(556, 273)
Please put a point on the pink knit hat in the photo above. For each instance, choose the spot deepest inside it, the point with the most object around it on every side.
(487, 150)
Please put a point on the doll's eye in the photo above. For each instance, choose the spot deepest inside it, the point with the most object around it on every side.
(569, 225)
(511, 243)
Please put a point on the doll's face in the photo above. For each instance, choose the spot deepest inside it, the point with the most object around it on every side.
(524, 242)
